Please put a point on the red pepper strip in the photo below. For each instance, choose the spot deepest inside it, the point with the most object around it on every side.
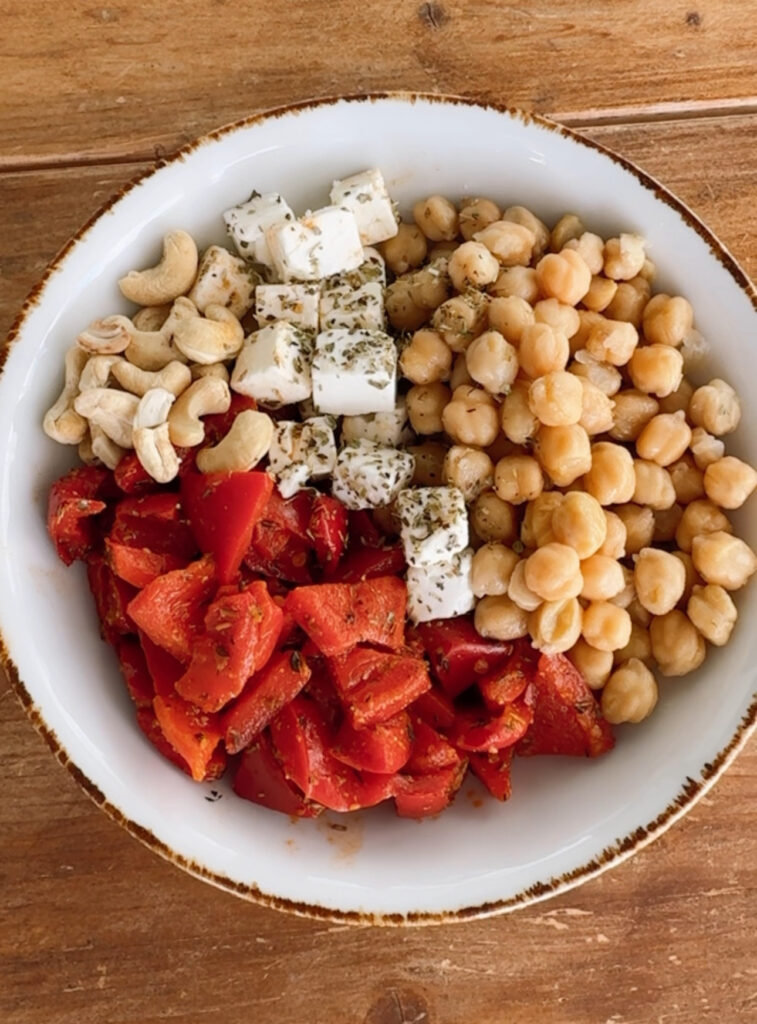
(507, 682)
(150, 726)
(139, 566)
(263, 697)
(459, 656)
(419, 796)
(384, 748)
(430, 751)
(74, 502)
(478, 733)
(260, 778)
(193, 734)
(337, 616)
(112, 599)
(494, 771)
(368, 563)
(328, 530)
(136, 674)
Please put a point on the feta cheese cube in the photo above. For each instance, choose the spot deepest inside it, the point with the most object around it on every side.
(224, 279)
(390, 428)
(300, 452)
(317, 245)
(274, 365)
(433, 524)
(247, 224)
(368, 475)
(441, 591)
(348, 307)
(366, 196)
(295, 303)
(354, 372)
(373, 268)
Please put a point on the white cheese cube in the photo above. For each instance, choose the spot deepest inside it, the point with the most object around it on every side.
(373, 268)
(295, 303)
(433, 524)
(224, 279)
(274, 365)
(247, 224)
(366, 196)
(317, 245)
(347, 307)
(300, 452)
(390, 428)
(369, 475)
(441, 591)
(354, 372)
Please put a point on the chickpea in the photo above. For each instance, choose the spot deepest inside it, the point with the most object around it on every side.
(666, 320)
(624, 257)
(610, 478)
(536, 528)
(693, 579)
(499, 618)
(664, 439)
(518, 422)
(595, 666)
(556, 399)
(468, 469)
(660, 579)
(639, 524)
(688, 480)
(437, 218)
(600, 294)
(705, 448)
(471, 265)
(603, 578)
(679, 399)
(426, 359)
(402, 310)
(555, 626)
(568, 226)
(492, 362)
(459, 374)
(461, 319)
(518, 478)
(639, 646)
(563, 276)
(633, 411)
(590, 248)
(700, 517)
(666, 523)
(639, 615)
(597, 408)
(542, 350)
(425, 404)
(713, 612)
(615, 537)
(492, 568)
(509, 315)
(406, 250)
(471, 418)
(579, 522)
(606, 626)
(612, 341)
(559, 316)
(629, 301)
(729, 482)
(603, 376)
(429, 462)
(716, 407)
(476, 214)
(656, 369)
(430, 285)
(442, 250)
(511, 244)
(627, 596)
(521, 215)
(553, 572)
(494, 519)
(518, 591)
(564, 452)
(649, 271)
(723, 559)
(630, 694)
(677, 646)
(516, 281)
(654, 487)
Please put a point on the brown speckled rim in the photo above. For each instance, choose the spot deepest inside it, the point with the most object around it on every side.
(691, 789)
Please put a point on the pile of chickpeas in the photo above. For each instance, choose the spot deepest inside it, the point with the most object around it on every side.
(549, 384)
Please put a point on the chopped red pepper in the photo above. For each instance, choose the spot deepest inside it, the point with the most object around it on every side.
(435, 708)
(136, 674)
(260, 778)
(376, 685)
(112, 599)
(337, 616)
(131, 476)
(328, 530)
(419, 796)
(192, 733)
(139, 566)
(507, 682)
(384, 748)
(459, 656)
(494, 771)
(73, 504)
(368, 563)
(477, 732)
(430, 751)
(265, 694)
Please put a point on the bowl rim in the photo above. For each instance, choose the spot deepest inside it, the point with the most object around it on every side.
(691, 791)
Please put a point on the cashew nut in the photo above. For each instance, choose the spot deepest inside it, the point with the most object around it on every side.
(103, 448)
(209, 339)
(210, 370)
(152, 441)
(173, 276)
(106, 336)
(151, 318)
(244, 446)
(96, 374)
(174, 377)
(225, 279)
(62, 422)
(152, 350)
(111, 410)
(153, 408)
(86, 453)
(206, 395)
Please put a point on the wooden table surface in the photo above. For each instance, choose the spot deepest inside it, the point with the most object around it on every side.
(95, 928)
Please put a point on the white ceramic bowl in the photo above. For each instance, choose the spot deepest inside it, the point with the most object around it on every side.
(568, 819)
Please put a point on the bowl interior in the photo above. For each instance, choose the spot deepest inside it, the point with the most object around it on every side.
(566, 817)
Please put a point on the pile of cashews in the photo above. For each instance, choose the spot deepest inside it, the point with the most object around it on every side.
(143, 383)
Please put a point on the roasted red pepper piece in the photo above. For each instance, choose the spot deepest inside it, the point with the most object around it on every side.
(112, 598)
(435, 708)
(337, 616)
(155, 522)
(363, 531)
(164, 669)
(506, 683)
(484, 733)
(459, 656)
(384, 748)
(567, 719)
(136, 674)
(139, 566)
(222, 509)
(131, 476)
(376, 685)
(328, 529)
(192, 733)
(260, 778)
(170, 610)
(281, 547)
(74, 502)
(368, 563)
(264, 695)
(419, 796)
(240, 634)
(430, 750)
(494, 771)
